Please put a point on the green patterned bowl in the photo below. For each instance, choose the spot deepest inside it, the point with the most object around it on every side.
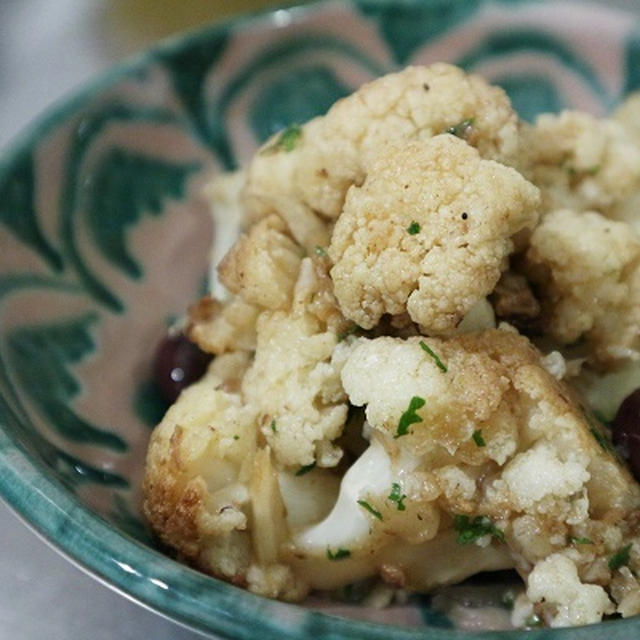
(105, 239)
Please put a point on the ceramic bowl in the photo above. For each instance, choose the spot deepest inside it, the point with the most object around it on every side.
(105, 239)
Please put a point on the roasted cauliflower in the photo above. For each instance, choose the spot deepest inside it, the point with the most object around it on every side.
(428, 233)
(372, 409)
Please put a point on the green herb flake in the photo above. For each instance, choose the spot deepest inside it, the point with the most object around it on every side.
(286, 141)
(508, 599)
(413, 228)
(478, 439)
(343, 335)
(534, 620)
(439, 363)
(321, 252)
(461, 130)
(620, 558)
(397, 496)
(590, 171)
(305, 469)
(410, 416)
(578, 540)
(236, 437)
(601, 418)
(273, 426)
(601, 439)
(469, 530)
(374, 512)
(340, 554)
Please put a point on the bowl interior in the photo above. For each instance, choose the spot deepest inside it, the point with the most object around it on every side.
(105, 234)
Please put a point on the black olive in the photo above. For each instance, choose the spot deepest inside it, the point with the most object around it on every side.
(178, 363)
(626, 430)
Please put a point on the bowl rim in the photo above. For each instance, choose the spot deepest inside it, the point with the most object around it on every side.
(137, 571)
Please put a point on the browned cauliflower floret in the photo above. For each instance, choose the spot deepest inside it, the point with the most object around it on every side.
(428, 232)
(583, 163)
(587, 269)
(200, 508)
(262, 266)
(294, 382)
(218, 327)
(473, 440)
(213, 494)
(304, 176)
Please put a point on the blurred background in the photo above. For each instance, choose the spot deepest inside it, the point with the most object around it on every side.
(47, 48)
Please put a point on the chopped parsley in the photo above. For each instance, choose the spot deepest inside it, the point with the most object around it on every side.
(374, 512)
(578, 540)
(413, 228)
(320, 251)
(410, 416)
(273, 426)
(397, 496)
(478, 439)
(601, 439)
(600, 418)
(469, 530)
(591, 171)
(533, 620)
(286, 141)
(305, 469)
(461, 129)
(508, 599)
(343, 335)
(340, 554)
(439, 363)
(236, 437)
(620, 558)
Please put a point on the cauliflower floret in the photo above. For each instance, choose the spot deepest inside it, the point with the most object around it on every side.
(474, 438)
(294, 382)
(220, 328)
(214, 494)
(628, 115)
(555, 582)
(223, 194)
(263, 265)
(428, 232)
(305, 180)
(197, 507)
(582, 163)
(588, 271)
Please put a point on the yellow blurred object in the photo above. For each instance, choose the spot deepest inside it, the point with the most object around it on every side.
(134, 24)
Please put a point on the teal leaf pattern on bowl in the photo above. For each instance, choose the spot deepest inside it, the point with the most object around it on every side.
(296, 96)
(148, 403)
(95, 203)
(18, 211)
(277, 61)
(85, 134)
(407, 29)
(124, 187)
(41, 357)
(188, 66)
(632, 62)
(531, 94)
(512, 42)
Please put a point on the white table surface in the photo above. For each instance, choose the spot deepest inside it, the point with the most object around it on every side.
(47, 47)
